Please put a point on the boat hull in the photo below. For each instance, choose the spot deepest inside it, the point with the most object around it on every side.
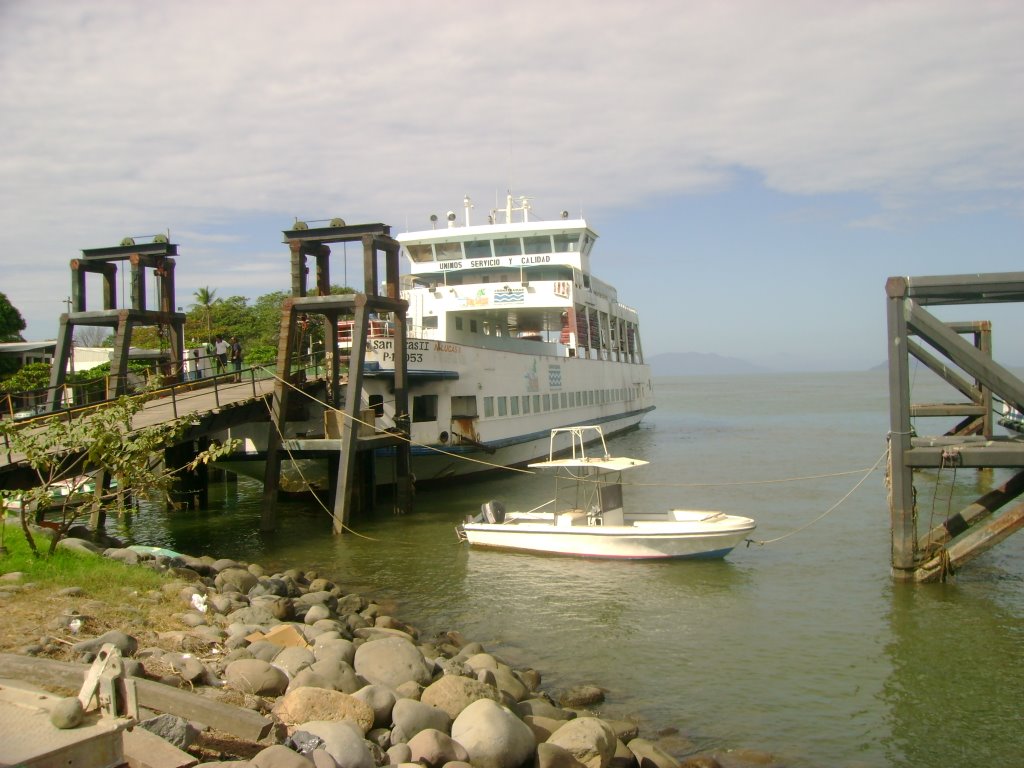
(641, 542)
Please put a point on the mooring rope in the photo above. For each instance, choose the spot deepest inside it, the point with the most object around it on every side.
(798, 478)
(867, 474)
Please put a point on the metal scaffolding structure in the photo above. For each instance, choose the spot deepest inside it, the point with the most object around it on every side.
(967, 366)
(156, 257)
(351, 475)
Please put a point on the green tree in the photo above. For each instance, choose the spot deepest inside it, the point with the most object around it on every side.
(11, 321)
(267, 319)
(206, 297)
(30, 378)
(105, 442)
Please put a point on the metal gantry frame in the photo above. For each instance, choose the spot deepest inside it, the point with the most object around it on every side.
(304, 242)
(976, 528)
(156, 256)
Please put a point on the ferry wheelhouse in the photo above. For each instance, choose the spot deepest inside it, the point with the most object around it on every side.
(509, 336)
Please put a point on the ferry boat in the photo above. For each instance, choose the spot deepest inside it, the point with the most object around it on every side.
(509, 336)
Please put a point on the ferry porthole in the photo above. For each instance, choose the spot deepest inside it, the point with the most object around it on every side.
(443, 437)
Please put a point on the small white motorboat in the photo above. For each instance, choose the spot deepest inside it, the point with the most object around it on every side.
(587, 519)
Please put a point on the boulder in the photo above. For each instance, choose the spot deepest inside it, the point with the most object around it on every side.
(307, 678)
(304, 704)
(479, 661)
(316, 613)
(589, 739)
(186, 666)
(410, 717)
(650, 755)
(256, 676)
(294, 659)
(279, 756)
(398, 754)
(581, 696)
(381, 700)
(343, 742)
(506, 680)
(80, 545)
(542, 727)
(554, 756)
(264, 650)
(493, 736)
(339, 675)
(543, 708)
(124, 555)
(126, 644)
(434, 748)
(453, 694)
(67, 713)
(258, 615)
(391, 661)
(234, 579)
(350, 604)
(172, 729)
(337, 648)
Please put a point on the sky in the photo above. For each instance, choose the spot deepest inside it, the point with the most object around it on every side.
(755, 170)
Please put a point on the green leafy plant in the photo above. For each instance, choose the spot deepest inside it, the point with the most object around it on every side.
(67, 453)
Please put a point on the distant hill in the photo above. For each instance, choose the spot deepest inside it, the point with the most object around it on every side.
(699, 364)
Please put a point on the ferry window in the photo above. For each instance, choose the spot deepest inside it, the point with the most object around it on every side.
(458, 323)
(566, 243)
(464, 407)
(424, 408)
(537, 244)
(488, 407)
(377, 403)
(478, 249)
(564, 405)
(514, 405)
(508, 247)
(449, 251)
(421, 252)
(579, 399)
(472, 326)
(554, 401)
(503, 406)
(536, 403)
(590, 397)
(526, 403)
(547, 402)
(430, 322)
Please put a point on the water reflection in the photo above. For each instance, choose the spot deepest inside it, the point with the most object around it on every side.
(954, 653)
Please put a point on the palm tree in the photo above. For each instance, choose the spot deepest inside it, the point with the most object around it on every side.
(205, 298)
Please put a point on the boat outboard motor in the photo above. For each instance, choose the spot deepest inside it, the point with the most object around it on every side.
(493, 512)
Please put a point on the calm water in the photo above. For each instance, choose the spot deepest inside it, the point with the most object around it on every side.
(803, 647)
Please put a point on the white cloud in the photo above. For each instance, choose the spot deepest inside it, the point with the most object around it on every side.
(120, 117)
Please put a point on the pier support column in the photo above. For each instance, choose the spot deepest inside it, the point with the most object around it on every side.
(901, 504)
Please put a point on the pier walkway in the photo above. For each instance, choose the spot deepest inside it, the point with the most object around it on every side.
(200, 399)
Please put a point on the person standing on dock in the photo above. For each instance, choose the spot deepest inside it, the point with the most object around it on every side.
(220, 349)
(236, 357)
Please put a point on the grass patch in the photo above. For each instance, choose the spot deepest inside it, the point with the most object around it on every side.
(100, 577)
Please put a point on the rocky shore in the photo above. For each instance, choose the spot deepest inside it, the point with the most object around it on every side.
(348, 686)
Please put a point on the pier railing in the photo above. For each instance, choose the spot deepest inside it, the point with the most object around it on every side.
(79, 401)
